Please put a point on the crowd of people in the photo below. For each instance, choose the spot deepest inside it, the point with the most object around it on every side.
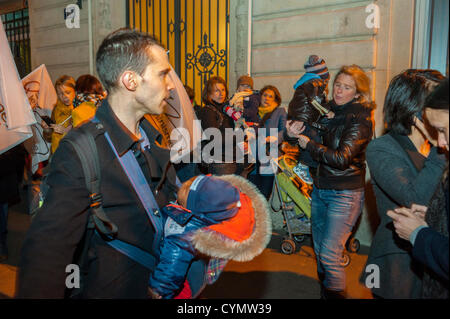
(160, 231)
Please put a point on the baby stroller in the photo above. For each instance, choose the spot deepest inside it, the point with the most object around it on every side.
(295, 199)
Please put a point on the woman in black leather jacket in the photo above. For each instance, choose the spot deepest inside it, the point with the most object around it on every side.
(211, 115)
(338, 193)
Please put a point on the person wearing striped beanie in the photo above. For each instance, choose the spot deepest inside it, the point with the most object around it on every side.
(317, 65)
(307, 107)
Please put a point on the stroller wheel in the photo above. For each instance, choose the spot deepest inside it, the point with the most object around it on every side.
(288, 246)
(345, 261)
(299, 238)
(353, 245)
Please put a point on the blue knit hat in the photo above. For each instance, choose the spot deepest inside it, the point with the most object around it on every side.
(317, 65)
(213, 196)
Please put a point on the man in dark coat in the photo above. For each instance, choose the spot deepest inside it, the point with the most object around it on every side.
(134, 69)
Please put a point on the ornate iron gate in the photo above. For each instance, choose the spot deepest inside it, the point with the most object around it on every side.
(196, 33)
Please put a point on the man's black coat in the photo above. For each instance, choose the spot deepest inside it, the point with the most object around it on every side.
(59, 226)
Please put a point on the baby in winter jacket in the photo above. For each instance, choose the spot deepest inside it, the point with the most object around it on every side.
(243, 105)
(308, 106)
(215, 219)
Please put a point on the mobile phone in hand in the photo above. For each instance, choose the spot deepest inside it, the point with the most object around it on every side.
(47, 120)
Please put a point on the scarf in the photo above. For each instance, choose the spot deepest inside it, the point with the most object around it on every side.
(85, 97)
(61, 112)
(263, 110)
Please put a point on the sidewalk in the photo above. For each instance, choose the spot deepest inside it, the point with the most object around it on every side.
(271, 275)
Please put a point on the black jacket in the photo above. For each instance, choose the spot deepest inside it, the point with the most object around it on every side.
(300, 108)
(341, 155)
(58, 228)
(431, 245)
(212, 116)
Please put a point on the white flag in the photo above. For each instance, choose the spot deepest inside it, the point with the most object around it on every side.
(42, 97)
(16, 115)
(182, 119)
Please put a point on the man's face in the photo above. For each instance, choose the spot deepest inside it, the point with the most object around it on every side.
(440, 121)
(154, 85)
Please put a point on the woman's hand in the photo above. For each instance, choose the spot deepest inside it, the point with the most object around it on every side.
(405, 221)
(329, 115)
(303, 140)
(44, 125)
(419, 210)
(152, 294)
(294, 128)
(271, 139)
(60, 129)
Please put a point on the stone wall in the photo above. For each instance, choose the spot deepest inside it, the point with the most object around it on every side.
(284, 33)
(69, 51)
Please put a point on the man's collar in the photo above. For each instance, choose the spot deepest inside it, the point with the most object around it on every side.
(121, 137)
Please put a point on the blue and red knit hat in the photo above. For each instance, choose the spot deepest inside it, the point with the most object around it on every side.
(213, 197)
(317, 65)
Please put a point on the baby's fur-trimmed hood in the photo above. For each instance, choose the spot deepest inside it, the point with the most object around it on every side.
(215, 244)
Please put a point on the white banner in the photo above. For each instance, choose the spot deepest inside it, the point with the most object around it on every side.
(181, 122)
(16, 115)
(42, 97)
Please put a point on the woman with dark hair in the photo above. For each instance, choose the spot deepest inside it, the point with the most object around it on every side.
(338, 192)
(89, 96)
(403, 168)
(272, 121)
(427, 228)
(214, 98)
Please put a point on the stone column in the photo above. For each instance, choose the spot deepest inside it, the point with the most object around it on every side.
(238, 41)
(108, 15)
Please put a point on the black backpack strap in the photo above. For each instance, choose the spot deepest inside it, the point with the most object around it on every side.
(84, 145)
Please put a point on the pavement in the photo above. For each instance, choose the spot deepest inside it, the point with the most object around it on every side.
(271, 275)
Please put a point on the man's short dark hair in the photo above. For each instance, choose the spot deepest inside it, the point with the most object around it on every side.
(405, 98)
(122, 50)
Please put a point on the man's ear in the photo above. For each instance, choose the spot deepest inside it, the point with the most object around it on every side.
(129, 80)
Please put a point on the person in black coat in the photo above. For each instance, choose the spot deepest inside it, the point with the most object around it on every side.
(402, 173)
(312, 86)
(212, 116)
(134, 69)
(427, 228)
(338, 192)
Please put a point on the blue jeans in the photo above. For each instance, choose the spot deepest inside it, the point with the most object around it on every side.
(333, 215)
